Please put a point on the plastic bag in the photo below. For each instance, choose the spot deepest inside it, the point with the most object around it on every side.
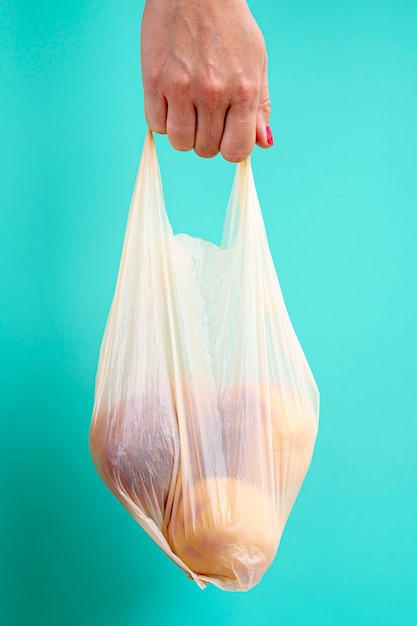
(206, 410)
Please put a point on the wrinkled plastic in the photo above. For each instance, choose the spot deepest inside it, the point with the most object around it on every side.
(206, 411)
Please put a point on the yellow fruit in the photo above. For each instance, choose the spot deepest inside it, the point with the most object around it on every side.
(229, 529)
(225, 528)
(273, 430)
(292, 427)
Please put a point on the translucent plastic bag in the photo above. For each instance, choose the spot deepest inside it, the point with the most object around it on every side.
(206, 410)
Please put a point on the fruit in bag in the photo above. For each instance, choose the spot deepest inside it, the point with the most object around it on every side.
(133, 452)
(222, 523)
(206, 410)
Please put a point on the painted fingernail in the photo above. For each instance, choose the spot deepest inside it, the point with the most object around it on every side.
(269, 136)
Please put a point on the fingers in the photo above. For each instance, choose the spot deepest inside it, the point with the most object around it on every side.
(214, 125)
(211, 113)
(204, 76)
(239, 135)
(174, 116)
(156, 114)
(188, 126)
(181, 124)
(240, 128)
(264, 138)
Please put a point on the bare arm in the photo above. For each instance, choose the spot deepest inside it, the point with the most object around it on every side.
(204, 71)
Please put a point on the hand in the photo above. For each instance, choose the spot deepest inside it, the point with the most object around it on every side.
(204, 72)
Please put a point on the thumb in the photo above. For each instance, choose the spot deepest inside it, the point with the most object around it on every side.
(264, 138)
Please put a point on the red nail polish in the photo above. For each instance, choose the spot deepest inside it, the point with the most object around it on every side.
(269, 136)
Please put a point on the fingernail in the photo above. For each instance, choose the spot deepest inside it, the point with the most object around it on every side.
(269, 135)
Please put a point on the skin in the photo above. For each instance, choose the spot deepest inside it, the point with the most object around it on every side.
(204, 72)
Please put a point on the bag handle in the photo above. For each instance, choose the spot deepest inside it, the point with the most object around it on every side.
(243, 215)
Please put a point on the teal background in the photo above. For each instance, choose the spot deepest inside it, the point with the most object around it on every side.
(339, 196)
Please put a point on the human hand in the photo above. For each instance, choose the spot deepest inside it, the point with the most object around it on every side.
(204, 72)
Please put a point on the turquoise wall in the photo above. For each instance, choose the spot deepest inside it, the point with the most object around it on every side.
(339, 196)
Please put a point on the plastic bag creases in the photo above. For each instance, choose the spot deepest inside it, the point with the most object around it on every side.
(206, 411)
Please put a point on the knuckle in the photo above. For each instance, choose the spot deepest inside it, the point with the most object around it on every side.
(156, 127)
(181, 137)
(246, 91)
(153, 79)
(180, 84)
(206, 152)
(213, 92)
(235, 156)
(179, 144)
(156, 122)
(181, 147)
(239, 139)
